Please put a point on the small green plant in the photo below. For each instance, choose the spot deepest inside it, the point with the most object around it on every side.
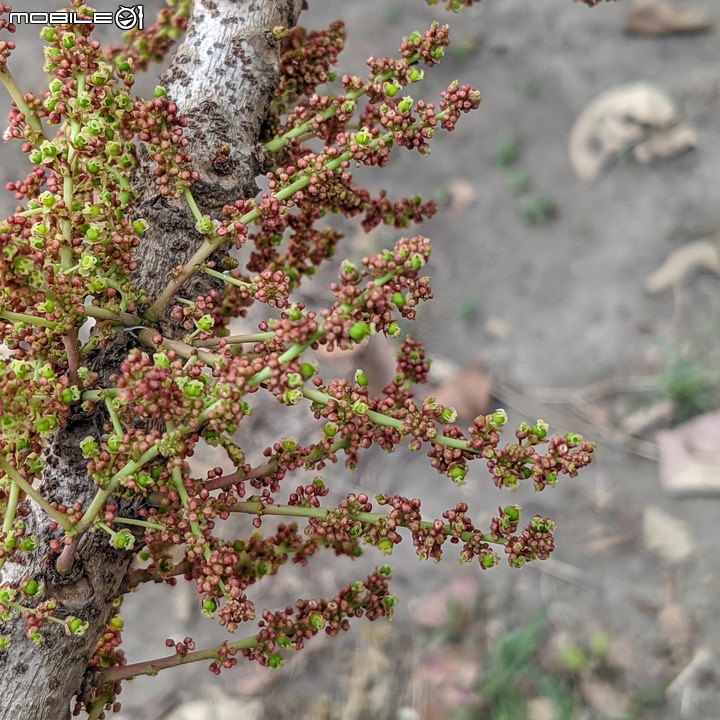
(692, 388)
(507, 152)
(538, 208)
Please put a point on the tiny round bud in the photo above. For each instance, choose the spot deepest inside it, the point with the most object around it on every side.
(359, 331)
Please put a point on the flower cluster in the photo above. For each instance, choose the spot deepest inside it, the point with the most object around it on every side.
(67, 255)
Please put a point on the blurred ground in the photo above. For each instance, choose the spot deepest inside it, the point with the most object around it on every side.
(541, 277)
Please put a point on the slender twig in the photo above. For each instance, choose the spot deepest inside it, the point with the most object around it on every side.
(152, 667)
(30, 491)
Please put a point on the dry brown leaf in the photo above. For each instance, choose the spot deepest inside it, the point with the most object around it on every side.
(689, 461)
(468, 391)
(606, 700)
(665, 143)
(616, 121)
(462, 193)
(646, 417)
(665, 535)
(680, 264)
(660, 17)
(676, 627)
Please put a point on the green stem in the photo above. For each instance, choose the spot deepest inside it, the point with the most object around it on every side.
(121, 318)
(18, 98)
(102, 495)
(209, 245)
(97, 707)
(152, 667)
(31, 492)
(226, 278)
(29, 319)
(238, 339)
(321, 398)
(140, 523)
(280, 142)
(252, 507)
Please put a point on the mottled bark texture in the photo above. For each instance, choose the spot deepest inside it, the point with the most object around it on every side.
(222, 78)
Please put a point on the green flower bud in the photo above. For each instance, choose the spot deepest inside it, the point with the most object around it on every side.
(551, 478)
(31, 588)
(363, 137)
(348, 106)
(359, 331)
(205, 323)
(140, 225)
(448, 415)
(289, 444)
(28, 544)
(49, 34)
(414, 75)
(391, 88)
(385, 570)
(539, 430)
(97, 284)
(84, 100)
(92, 167)
(7, 595)
(36, 157)
(5, 642)
(159, 92)
(488, 560)
(68, 41)
(417, 261)
(117, 622)
(275, 661)
(194, 388)
(123, 540)
(35, 637)
(48, 149)
(359, 407)
(385, 546)
(75, 626)
(398, 299)
(205, 225)
(405, 105)
(113, 443)
(307, 370)
(573, 439)
(361, 378)
(292, 396)
(511, 512)
(283, 641)
(393, 330)
(457, 474)
(70, 395)
(317, 621)
(161, 359)
(330, 430)
(209, 606)
(510, 482)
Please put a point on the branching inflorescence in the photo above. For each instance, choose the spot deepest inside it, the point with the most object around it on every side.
(66, 257)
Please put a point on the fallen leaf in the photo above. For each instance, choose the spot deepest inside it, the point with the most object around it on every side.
(541, 708)
(665, 535)
(661, 17)
(646, 417)
(680, 264)
(675, 627)
(462, 193)
(468, 391)
(665, 143)
(689, 461)
(604, 698)
(618, 120)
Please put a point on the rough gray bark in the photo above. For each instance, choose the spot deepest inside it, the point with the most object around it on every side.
(222, 78)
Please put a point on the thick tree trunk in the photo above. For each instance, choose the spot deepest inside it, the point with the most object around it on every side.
(222, 79)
